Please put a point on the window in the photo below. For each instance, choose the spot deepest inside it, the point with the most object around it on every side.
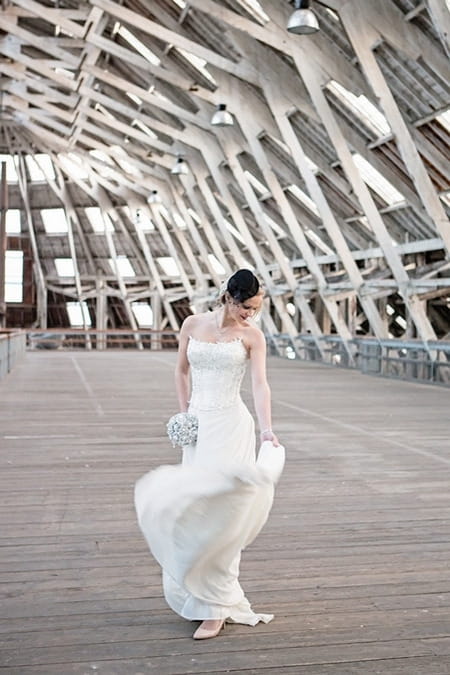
(13, 221)
(34, 164)
(143, 313)
(169, 266)
(141, 219)
(123, 265)
(304, 198)
(11, 173)
(198, 63)
(362, 108)
(54, 221)
(65, 267)
(14, 276)
(97, 220)
(139, 46)
(377, 182)
(78, 314)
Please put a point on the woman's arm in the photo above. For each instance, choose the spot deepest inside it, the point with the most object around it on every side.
(260, 387)
(182, 381)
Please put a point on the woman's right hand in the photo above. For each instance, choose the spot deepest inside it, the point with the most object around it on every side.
(268, 435)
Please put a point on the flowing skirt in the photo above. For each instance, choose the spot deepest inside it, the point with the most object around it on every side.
(198, 516)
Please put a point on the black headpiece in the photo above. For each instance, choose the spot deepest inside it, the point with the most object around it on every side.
(242, 285)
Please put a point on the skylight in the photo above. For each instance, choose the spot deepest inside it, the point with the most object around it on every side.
(169, 266)
(377, 182)
(179, 222)
(139, 46)
(13, 221)
(362, 107)
(141, 219)
(215, 264)
(67, 73)
(275, 227)
(123, 265)
(444, 119)
(54, 221)
(198, 63)
(304, 198)
(11, 173)
(260, 187)
(236, 234)
(317, 241)
(143, 313)
(64, 267)
(194, 215)
(97, 220)
(34, 164)
(253, 7)
(14, 276)
(134, 98)
(143, 127)
(75, 311)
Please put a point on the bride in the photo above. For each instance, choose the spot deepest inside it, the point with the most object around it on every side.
(198, 516)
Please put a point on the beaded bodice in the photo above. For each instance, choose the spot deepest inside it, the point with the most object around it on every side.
(217, 369)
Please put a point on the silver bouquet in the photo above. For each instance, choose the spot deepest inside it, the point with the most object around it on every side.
(182, 429)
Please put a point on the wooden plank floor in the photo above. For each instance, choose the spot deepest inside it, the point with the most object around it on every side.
(354, 561)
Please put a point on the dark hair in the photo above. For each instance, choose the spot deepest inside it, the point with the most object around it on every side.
(242, 285)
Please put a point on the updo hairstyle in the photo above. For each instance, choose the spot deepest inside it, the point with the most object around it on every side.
(241, 286)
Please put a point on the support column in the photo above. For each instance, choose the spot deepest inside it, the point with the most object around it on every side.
(101, 315)
(309, 75)
(363, 38)
(3, 209)
(155, 303)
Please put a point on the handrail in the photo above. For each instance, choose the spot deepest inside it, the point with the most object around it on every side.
(404, 359)
(12, 349)
(79, 338)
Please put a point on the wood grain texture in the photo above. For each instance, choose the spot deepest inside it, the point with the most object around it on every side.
(354, 560)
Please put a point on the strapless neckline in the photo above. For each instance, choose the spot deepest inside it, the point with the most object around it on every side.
(217, 342)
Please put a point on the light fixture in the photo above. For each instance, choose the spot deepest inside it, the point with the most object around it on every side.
(154, 197)
(180, 167)
(222, 118)
(302, 21)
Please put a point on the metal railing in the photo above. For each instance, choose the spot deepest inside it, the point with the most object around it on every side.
(80, 339)
(12, 349)
(403, 359)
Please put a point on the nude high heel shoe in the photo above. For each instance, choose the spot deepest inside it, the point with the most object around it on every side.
(204, 631)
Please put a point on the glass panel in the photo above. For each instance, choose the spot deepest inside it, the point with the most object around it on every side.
(14, 276)
(54, 221)
(169, 266)
(95, 217)
(13, 221)
(124, 266)
(75, 311)
(11, 173)
(143, 313)
(65, 267)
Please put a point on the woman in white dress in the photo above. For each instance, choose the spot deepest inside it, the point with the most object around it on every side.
(199, 515)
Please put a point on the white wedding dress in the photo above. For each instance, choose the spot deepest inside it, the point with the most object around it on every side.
(198, 516)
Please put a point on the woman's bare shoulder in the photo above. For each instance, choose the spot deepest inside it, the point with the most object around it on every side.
(195, 320)
(254, 336)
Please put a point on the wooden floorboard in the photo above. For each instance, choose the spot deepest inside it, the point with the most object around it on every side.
(354, 561)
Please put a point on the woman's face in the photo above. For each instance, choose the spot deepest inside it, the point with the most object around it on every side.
(241, 311)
